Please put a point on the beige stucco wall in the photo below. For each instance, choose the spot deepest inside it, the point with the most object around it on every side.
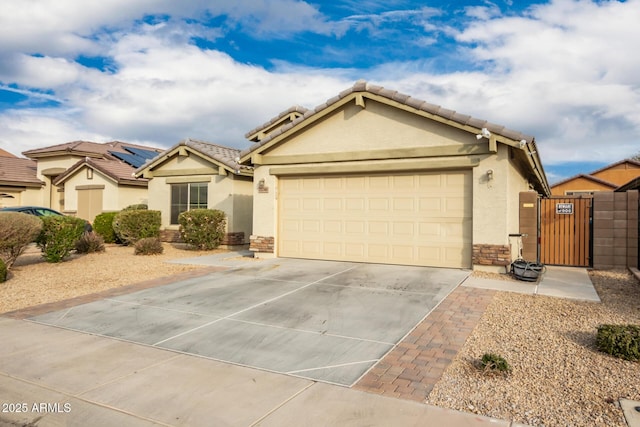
(265, 207)
(242, 217)
(49, 196)
(21, 196)
(379, 127)
(110, 192)
(114, 198)
(228, 193)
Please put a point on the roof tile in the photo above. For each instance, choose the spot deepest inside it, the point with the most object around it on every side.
(19, 171)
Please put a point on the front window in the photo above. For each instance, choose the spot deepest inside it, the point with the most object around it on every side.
(189, 196)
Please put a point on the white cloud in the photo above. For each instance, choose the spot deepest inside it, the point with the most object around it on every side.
(564, 72)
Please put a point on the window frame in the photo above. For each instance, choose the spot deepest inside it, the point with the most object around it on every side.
(185, 202)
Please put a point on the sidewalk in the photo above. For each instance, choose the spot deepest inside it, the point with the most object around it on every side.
(52, 376)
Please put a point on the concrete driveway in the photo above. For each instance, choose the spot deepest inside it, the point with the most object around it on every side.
(319, 320)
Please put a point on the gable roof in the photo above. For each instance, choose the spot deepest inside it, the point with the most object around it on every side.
(613, 165)
(590, 176)
(5, 153)
(85, 149)
(118, 171)
(634, 184)
(225, 157)
(17, 171)
(362, 89)
(284, 118)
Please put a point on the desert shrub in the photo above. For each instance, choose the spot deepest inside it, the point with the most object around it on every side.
(17, 231)
(133, 225)
(3, 271)
(148, 246)
(59, 236)
(90, 242)
(622, 341)
(491, 362)
(202, 228)
(137, 207)
(103, 225)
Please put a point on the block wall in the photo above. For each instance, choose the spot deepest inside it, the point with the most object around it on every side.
(615, 230)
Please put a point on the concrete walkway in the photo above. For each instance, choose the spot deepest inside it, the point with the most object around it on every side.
(556, 281)
(53, 377)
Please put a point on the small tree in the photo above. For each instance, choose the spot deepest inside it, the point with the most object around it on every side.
(17, 231)
(202, 228)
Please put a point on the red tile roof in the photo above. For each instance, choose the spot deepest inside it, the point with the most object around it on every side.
(5, 153)
(117, 170)
(17, 171)
(84, 148)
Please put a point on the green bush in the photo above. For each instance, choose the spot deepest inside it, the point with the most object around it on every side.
(622, 341)
(148, 246)
(3, 271)
(139, 206)
(90, 242)
(202, 228)
(17, 231)
(59, 236)
(493, 362)
(103, 225)
(133, 225)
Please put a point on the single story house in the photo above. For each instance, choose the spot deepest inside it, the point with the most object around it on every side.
(84, 178)
(197, 174)
(373, 175)
(19, 184)
(608, 178)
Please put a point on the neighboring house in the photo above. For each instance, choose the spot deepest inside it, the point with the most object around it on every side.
(19, 184)
(5, 153)
(197, 174)
(607, 178)
(84, 178)
(373, 175)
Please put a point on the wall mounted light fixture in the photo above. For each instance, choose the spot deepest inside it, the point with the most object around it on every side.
(490, 174)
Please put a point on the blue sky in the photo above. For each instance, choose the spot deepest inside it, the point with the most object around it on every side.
(158, 71)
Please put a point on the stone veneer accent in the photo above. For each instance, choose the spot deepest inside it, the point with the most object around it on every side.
(230, 239)
(491, 254)
(261, 244)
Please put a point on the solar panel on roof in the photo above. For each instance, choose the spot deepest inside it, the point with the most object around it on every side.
(133, 160)
(146, 154)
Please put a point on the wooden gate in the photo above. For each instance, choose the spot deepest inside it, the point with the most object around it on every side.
(565, 231)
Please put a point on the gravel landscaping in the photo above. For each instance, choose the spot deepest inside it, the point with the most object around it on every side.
(34, 281)
(558, 377)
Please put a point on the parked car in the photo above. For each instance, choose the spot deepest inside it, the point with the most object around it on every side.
(40, 211)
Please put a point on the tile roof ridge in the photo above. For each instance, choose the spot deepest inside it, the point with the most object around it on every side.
(293, 109)
(187, 140)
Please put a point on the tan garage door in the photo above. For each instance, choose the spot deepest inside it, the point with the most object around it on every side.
(407, 219)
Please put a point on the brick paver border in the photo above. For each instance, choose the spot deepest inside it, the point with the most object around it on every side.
(36, 310)
(412, 368)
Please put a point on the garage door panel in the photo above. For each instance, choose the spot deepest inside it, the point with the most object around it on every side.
(412, 219)
(354, 205)
(379, 227)
(355, 227)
